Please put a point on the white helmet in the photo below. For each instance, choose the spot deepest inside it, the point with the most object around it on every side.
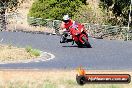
(66, 17)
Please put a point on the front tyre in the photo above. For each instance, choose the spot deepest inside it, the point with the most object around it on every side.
(86, 42)
(79, 44)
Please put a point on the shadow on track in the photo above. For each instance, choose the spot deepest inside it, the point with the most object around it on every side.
(69, 46)
(74, 46)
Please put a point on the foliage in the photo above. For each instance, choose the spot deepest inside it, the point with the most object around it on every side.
(84, 1)
(8, 4)
(106, 3)
(87, 15)
(119, 9)
(32, 51)
(54, 9)
(84, 13)
(35, 52)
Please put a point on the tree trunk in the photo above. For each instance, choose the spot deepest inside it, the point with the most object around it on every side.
(2, 20)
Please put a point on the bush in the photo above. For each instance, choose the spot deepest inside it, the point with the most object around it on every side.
(119, 10)
(28, 49)
(54, 9)
(32, 51)
(35, 52)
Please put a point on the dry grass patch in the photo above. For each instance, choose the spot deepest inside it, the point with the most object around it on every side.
(50, 79)
(10, 53)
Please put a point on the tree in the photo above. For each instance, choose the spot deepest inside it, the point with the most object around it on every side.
(120, 9)
(6, 5)
(54, 9)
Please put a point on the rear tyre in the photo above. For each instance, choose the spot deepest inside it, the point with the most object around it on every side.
(79, 44)
(86, 42)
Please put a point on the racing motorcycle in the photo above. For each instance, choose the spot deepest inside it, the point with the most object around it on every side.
(78, 34)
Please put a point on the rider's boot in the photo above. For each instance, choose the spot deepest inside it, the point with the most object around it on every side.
(63, 39)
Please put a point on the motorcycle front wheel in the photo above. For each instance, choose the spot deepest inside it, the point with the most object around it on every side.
(86, 42)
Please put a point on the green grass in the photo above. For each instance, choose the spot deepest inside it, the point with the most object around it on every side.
(32, 51)
(49, 85)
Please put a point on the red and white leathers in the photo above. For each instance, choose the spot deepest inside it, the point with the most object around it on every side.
(67, 25)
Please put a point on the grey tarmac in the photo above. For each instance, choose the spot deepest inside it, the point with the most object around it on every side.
(105, 54)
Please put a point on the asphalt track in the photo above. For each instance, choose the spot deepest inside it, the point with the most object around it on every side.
(105, 54)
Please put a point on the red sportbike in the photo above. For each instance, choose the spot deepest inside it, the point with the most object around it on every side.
(79, 35)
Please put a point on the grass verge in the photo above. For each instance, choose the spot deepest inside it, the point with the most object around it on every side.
(11, 53)
(51, 79)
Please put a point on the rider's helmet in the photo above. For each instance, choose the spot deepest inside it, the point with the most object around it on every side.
(66, 18)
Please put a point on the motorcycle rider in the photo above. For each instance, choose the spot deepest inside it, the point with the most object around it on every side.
(66, 24)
